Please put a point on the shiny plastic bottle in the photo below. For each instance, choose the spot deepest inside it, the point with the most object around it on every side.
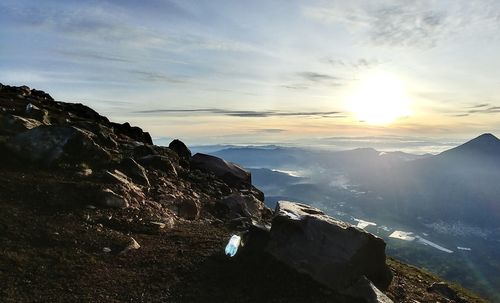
(232, 245)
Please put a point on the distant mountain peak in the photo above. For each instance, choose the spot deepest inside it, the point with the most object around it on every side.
(486, 143)
(485, 137)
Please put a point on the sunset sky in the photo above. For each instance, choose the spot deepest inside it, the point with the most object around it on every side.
(292, 72)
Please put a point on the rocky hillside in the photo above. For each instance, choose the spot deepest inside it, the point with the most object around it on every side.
(93, 211)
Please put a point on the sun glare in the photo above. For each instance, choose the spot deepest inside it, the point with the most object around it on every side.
(379, 99)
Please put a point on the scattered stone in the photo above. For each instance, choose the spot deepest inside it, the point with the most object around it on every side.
(160, 225)
(111, 199)
(132, 245)
(229, 172)
(188, 209)
(332, 252)
(167, 223)
(84, 172)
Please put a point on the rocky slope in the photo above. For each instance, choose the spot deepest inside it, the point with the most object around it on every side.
(92, 211)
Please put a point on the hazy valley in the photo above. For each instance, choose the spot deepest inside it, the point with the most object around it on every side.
(447, 202)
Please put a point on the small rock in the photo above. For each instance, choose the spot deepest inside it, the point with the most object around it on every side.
(160, 225)
(188, 209)
(133, 245)
(446, 291)
(106, 249)
(85, 172)
(111, 199)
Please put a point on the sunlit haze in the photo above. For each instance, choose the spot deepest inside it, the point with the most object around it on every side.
(266, 72)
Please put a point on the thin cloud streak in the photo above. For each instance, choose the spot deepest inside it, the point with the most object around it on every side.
(242, 113)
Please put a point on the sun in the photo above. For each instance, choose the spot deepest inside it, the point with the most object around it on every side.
(379, 99)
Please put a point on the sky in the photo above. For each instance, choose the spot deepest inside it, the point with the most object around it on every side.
(265, 72)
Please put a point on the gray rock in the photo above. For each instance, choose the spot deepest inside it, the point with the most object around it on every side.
(158, 162)
(240, 205)
(332, 252)
(124, 187)
(113, 200)
(231, 173)
(135, 171)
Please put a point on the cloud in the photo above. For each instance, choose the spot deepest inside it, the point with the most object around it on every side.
(150, 76)
(296, 86)
(270, 130)
(406, 25)
(317, 77)
(83, 54)
(483, 108)
(421, 24)
(116, 24)
(242, 113)
(356, 64)
(310, 78)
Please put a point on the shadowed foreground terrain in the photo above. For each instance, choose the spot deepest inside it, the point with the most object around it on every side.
(74, 228)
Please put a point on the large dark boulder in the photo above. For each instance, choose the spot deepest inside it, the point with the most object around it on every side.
(58, 144)
(332, 252)
(181, 150)
(229, 172)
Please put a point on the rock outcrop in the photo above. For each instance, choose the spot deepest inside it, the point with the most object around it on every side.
(117, 165)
